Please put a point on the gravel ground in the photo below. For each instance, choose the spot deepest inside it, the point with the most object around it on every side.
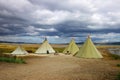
(59, 67)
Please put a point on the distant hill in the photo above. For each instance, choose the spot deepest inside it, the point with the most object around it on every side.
(109, 43)
(112, 43)
(13, 42)
(80, 43)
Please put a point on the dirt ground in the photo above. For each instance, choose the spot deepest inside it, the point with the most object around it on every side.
(60, 67)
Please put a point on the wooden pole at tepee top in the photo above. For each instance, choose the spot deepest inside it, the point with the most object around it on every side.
(72, 37)
(89, 36)
(45, 38)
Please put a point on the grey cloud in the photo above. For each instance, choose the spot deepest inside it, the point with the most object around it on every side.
(63, 18)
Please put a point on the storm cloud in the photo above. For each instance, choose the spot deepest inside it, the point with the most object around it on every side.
(60, 20)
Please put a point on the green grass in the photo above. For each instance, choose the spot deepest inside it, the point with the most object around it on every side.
(118, 65)
(114, 56)
(118, 76)
(12, 60)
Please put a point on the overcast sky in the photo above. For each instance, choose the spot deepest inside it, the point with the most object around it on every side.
(59, 20)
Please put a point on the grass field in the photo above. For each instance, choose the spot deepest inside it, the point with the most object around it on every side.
(31, 48)
(11, 60)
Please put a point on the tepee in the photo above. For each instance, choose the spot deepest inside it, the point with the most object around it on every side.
(72, 48)
(45, 48)
(88, 50)
(19, 51)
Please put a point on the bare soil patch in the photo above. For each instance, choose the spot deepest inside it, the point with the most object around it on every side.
(60, 67)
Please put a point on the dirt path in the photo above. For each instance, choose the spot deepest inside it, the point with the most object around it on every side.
(58, 68)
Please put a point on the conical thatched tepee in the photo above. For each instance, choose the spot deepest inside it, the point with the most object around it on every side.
(72, 48)
(19, 51)
(88, 50)
(45, 48)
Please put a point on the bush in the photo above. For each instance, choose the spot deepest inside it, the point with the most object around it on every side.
(12, 60)
(29, 51)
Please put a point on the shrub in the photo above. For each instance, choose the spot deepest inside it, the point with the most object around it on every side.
(29, 51)
(12, 60)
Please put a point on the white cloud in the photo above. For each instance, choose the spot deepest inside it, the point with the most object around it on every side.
(47, 30)
(16, 5)
(32, 33)
(43, 15)
(115, 17)
(5, 12)
(52, 37)
(107, 5)
(109, 37)
(97, 18)
(103, 21)
(28, 39)
(54, 12)
(54, 17)
(97, 27)
(84, 5)
(31, 30)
